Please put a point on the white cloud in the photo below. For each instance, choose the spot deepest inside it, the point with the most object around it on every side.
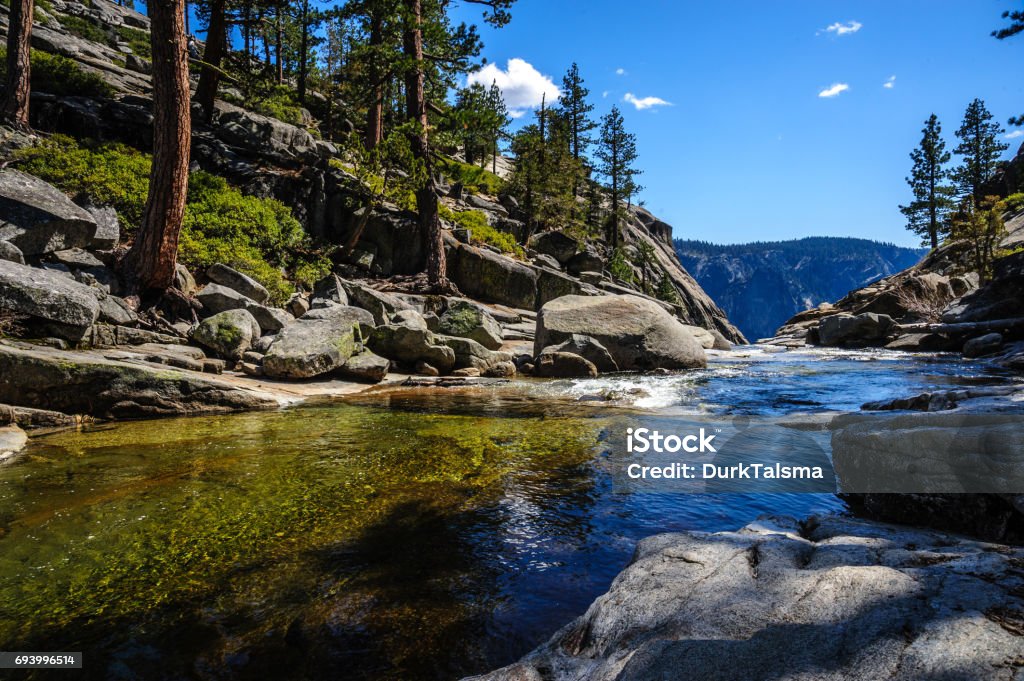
(1014, 135)
(521, 85)
(620, 71)
(834, 90)
(842, 29)
(890, 83)
(605, 94)
(642, 103)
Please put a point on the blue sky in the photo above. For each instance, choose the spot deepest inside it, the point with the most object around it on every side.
(747, 149)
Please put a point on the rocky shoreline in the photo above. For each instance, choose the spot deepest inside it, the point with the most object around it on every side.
(830, 598)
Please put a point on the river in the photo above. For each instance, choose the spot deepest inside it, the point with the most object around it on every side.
(396, 534)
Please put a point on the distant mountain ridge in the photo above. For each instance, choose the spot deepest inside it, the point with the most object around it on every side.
(762, 284)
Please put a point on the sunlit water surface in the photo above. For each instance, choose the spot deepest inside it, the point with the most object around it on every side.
(399, 534)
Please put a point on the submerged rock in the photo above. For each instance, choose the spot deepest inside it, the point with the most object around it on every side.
(638, 333)
(839, 599)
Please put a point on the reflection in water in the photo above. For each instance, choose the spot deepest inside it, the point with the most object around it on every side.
(398, 535)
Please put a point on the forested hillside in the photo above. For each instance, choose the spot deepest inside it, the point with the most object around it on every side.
(762, 284)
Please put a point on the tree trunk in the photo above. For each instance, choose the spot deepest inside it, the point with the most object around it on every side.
(19, 66)
(375, 116)
(209, 77)
(303, 52)
(416, 107)
(278, 40)
(150, 262)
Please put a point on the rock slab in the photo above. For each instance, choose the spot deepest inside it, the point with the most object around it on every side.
(832, 600)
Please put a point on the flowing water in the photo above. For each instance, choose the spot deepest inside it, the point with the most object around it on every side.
(398, 534)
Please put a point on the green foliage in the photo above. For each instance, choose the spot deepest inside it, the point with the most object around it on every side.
(576, 110)
(257, 236)
(103, 174)
(475, 179)
(980, 148)
(926, 214)
(980, 225)
(616, 154)
(666, 291)
(618, 266)
(60, 76)
(275, 101)
(481, 231)
(137, 39)
(1014, 202)
(84, 28)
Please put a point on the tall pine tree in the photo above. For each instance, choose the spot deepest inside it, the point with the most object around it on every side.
(980, 148)
(926, 214)
(576, 110)
(616, 154)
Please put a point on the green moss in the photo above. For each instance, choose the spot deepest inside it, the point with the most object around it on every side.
(482, 232)
(257, 236)
(60, 76)
(474, 178)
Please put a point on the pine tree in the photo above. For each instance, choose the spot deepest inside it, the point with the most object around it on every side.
(1016, 26)
(151, 261)
(216, 46)
(576, 110)
(616, 154)
(932, 195)
(980, 224)
(666, 291)
(19, 65)
(980, 148)
(498, 121)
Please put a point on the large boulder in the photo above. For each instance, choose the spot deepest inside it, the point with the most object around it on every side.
(835, 599)
(48, 295)
(552, 284)
(380, 305)
(470, 354)
(229, 334)
(468, 320)
(867, 327)
(365, 367)
(493, 277)
(988, 344)
(38, 218)
(11, 253)
(553, 364)
(344, 314)
(90, 384)
(216, 298)
(235, 280)
(311, 347)
(411, 346)
(638, 333)
(587, 348)
(556, 244)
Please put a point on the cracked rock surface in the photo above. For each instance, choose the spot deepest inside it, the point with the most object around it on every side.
(831, 599)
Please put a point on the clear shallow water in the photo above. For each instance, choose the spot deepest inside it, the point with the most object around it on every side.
(397, 535)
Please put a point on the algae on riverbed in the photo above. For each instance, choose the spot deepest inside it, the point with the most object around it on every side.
(152, 525)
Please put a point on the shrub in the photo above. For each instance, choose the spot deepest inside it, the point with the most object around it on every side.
(1014, 202)
(137, 39)
(474, 178)
(276, 101)
(60, 76)
(84, 28)
(481, 232)
(618, 267)
(257, 236)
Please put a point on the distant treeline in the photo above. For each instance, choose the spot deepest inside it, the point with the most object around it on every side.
(817, 246)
